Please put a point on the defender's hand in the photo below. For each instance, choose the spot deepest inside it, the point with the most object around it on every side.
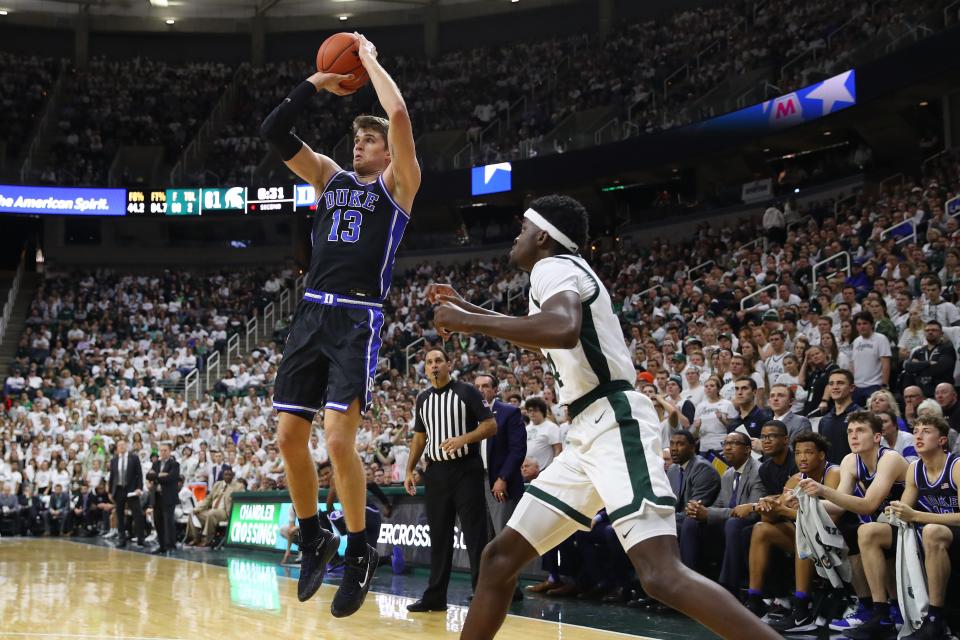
(448, 319)
(331, 82)
(435, 291)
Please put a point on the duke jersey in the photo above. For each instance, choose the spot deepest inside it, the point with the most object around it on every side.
(939, 496)
(865, 479)
(355, 236)
(826, 470)
(601, 355)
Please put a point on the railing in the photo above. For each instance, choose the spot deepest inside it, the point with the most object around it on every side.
(743, 303)
(192, 382)
(843, 26)
(519, 102)
(213, 364)
(12, 294)
(946, 12)
(285, 306)
(910, 236)
(836, 205)
(233, 347)
(707, 49)
(913, 31)
(669, 79)
(269, 322)
(699, 266)
(251, 337)
(900, 176)
(205, 134)
(797, 223)
(923, 165)
(46, 119)
(487, 304)
(828, 261)
(486, 130)
(648, 290)
(598, 135)
(798, 58)
(459, 156)
(408, 356)
(750, 244)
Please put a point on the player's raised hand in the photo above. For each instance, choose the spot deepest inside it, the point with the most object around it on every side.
(368, 52)
(331, 82)
(437, 290)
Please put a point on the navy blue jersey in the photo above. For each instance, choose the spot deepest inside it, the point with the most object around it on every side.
(939, 496)
(355, 236)
(865, 479)
(826, 470)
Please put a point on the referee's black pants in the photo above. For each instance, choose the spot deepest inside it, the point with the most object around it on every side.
(454, 488)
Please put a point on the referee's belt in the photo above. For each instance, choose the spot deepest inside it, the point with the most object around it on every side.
(337, 300)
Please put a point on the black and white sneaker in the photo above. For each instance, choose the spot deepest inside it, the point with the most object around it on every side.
(799, 619)
(357, 576)
(314, 565)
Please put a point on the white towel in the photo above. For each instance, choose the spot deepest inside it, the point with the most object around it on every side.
(819, 539)
(911, 579)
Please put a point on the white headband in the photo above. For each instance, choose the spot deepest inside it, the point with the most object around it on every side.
(551, 230)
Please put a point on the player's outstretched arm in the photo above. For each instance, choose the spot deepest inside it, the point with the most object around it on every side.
(403, 175)
(277, 129)
(557, 326)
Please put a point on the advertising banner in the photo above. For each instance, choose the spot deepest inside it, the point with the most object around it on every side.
(62, 201)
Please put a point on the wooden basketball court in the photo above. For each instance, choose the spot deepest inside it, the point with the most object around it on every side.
(53, 588)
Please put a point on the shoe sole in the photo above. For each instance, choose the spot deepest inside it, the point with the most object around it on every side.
(329, 551)
(372, 562)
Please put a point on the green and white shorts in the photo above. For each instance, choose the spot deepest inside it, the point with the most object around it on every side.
(614, 460)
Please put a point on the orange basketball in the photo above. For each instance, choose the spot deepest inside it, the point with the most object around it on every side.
(340, 53)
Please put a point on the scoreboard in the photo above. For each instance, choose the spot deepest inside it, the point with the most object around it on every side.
(210, 201)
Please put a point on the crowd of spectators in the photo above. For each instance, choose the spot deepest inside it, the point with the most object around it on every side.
(142, 102)
(25, 83)
(657, 69)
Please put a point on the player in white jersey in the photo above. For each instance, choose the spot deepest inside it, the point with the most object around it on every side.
(614, 458)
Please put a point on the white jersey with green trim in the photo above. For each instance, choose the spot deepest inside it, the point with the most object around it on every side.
(601, 355)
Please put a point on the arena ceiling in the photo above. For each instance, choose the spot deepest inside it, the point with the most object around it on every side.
(241, 9)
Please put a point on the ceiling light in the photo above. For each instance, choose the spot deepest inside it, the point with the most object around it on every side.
(514, 1)
(922, 104)
(159, 3)
(343, 18)
(827, 133)
(766, 149)
(170, 21)
(3, 12)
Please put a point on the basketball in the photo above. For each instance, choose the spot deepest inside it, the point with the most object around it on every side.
(340, 53)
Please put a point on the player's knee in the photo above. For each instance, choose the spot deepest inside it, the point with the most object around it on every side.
(761, 533)
(873, 534)
(340, 447)
(496, 563)
(936, 537)
(291, 440)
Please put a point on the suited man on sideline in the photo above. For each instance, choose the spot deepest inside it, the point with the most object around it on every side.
(165, 474)
(126, 478)
(214, 509)
(59, 509)
(730, 516)
(502, 454)
(216, 469)
(691, 476)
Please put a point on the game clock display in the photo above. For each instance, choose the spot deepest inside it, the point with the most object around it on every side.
(271, 200)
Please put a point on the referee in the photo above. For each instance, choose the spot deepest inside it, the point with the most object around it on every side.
(451, 419)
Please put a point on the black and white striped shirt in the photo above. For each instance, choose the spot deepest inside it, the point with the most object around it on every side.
(449, 412)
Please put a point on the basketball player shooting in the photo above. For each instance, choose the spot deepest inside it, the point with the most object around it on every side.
(613, 459)
(330, 357)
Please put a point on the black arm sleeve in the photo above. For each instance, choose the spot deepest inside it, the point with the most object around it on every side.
(277, 128)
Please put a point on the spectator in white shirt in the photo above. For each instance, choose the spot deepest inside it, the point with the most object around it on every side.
(935, 307)
(543, 436)
(870, 359)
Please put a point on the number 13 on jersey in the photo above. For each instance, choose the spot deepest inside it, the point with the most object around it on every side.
(352, 219)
